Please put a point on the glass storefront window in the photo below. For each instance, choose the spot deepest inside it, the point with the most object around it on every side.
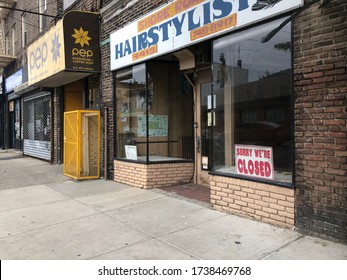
(154, 115)
(131, 109)
(252, 84)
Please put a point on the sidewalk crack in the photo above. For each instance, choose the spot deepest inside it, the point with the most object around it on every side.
(282, 247)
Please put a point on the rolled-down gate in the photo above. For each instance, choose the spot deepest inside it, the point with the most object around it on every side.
(37, 125)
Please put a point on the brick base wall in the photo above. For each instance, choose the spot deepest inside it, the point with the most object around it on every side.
(268, 203)
(149, 176)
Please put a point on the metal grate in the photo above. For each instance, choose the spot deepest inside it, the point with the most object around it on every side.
(37, 125)
(71, 142)
(187, 147)
(37, 118)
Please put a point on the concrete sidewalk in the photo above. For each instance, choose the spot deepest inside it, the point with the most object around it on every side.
(65, 219)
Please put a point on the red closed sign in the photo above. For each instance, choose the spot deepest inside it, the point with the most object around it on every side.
(254, 161)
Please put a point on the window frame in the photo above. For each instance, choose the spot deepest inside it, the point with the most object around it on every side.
(24, 30)
(147, 142)
(42, 6)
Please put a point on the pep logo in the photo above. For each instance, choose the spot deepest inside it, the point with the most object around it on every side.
(82, 52)
(38, 57)
(81, 38)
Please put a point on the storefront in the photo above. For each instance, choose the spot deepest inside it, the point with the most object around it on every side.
(64, 64)
(37, 125)
(13, 112)
(253, 130)
(2, 103)
(199, 97)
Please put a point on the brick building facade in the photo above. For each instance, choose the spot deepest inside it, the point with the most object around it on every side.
(306, 97)
(30, 27)
(14, 20)
(20, 30)
(316, 200)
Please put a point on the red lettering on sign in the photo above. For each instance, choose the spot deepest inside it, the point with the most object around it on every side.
(257, 167)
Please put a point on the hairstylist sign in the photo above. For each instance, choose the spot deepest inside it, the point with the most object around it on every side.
(186, 22)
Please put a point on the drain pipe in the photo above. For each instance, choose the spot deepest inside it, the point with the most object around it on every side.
(105, 142)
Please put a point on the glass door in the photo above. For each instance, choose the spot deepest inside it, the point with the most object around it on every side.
(203, 127)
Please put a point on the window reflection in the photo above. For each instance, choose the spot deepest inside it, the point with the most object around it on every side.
(154, 114)
(131, 102)
(253, 88)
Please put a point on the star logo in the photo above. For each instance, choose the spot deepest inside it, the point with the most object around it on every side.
(55, 47)
(81, 37)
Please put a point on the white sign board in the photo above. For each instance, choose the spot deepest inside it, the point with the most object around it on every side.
(254, 161)
(131, 152)
(187, 22)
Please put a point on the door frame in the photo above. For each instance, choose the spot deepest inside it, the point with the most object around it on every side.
(201, 177)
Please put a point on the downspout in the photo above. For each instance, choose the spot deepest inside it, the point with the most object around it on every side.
(52, 119)
(105, 142)
(62, 128)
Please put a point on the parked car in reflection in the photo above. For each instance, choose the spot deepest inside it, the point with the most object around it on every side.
(261, 133)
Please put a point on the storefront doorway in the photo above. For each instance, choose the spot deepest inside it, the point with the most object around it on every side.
(11, 122)
(203, 122)
(37, 125)
(14, 140)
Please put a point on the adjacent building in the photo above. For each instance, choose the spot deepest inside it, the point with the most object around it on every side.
(197, 91)
(51, 66)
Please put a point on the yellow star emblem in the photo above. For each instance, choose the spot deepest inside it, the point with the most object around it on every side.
(81, 37)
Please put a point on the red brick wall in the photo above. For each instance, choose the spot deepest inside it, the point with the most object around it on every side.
(320, 59)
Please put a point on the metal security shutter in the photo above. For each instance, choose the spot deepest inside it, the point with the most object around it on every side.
(37, 125)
